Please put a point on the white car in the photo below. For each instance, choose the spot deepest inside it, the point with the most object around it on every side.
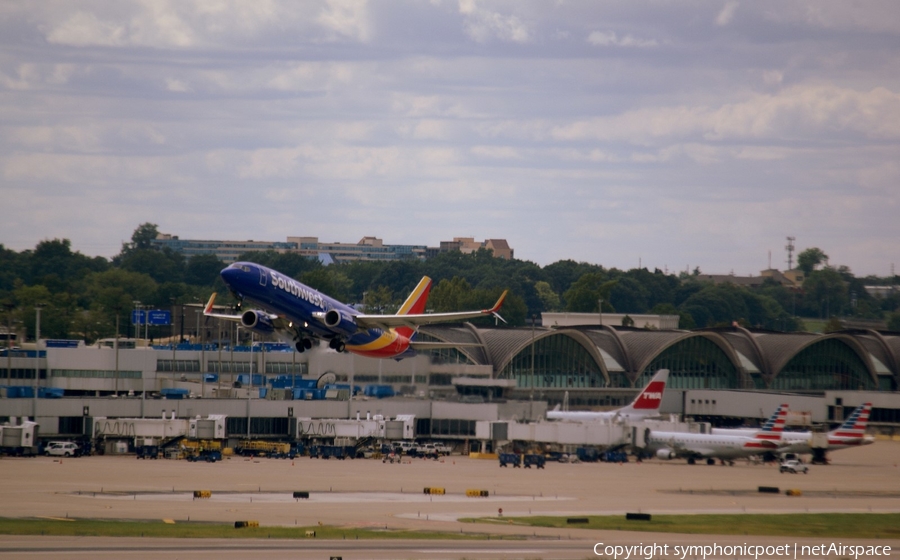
(793, 467)
(61, 449)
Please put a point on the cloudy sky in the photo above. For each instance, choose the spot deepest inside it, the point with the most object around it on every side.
(672, 134)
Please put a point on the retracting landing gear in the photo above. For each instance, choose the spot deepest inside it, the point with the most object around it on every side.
(337, 344)
(302, 344)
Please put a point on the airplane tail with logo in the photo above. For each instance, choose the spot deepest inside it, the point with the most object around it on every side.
(647, 402)
(774, 426)
(855, 425)
(414, 304)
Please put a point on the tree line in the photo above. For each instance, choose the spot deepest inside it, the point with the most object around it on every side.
(81, 296)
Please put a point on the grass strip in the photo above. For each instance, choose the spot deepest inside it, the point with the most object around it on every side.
(859, 525)
(206, 530)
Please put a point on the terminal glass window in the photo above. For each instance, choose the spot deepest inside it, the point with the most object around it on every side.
(694, 363)
(21, 373)
(286, 368)
(559, 362)
(178, 365)
(95, 373)
(823, 366)
(229, 367)
(452, 427)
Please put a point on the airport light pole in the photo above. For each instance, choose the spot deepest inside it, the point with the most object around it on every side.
(37, 357)
(116, 346)
(532, 356)
(137, 319)
(9, 307)
(600, 311)
(202, 356)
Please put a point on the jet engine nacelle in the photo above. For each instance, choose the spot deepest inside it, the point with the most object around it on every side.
(257, 321)
(665, 454)
(340, 322)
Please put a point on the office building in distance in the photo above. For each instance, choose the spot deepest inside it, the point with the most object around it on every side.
(366, 249)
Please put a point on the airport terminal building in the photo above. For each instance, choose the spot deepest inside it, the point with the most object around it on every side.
(725, 376)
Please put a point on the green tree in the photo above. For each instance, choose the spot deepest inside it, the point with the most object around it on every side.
(203, 270)
(825, 293)
(450, 295)
(810, 258)
(549, 298)
(629, 296)
(585, 293)
(56, 313)
(162, 266)
(143, 236)
(380, 300)
(563, 274)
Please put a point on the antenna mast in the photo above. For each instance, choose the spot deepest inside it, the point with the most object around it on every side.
(790, 250)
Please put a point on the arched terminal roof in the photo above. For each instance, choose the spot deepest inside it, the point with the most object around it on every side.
(728, 357)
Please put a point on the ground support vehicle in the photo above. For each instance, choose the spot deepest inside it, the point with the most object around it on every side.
(61, 449)
(794, 467)
(535, 460)
(513, 459)
(208, 455)
(258, 448)
(147, 452)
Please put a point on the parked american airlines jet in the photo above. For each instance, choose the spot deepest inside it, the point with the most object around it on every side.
(671, 445)
(645, 405)
(772, 429)
(852, 433)
(300, 315)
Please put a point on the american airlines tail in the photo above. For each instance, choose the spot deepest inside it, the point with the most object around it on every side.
(645, 405)
(855, 425)
(774, 426)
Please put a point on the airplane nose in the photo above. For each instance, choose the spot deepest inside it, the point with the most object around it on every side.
(230, 274)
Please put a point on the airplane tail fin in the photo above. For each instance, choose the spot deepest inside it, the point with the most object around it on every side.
(648, 401)
(209, 305)
(415, 304)
(856, 423)
(774, 426)
(776, 422)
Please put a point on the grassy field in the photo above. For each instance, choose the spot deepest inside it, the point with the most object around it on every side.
(195, 530)
(859, 525)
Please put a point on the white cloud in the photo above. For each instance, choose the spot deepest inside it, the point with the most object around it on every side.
(346, 18)
(82, 29)
(810, 112)
(727, 14)
(483, 25)
(611, 39)
(176, 85)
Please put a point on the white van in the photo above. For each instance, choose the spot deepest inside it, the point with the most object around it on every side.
(61, 449)
(405, 448)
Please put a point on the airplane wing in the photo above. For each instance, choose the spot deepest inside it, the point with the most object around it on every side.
(276, 320)
(414, 321)
(208, 312)
(443, 345)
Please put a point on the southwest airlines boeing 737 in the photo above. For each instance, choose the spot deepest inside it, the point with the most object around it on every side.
(300, 315)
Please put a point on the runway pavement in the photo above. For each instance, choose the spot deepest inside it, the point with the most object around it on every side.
(369, 493)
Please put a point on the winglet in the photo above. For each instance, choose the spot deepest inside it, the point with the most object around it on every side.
(495, 310)
(209, 305)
